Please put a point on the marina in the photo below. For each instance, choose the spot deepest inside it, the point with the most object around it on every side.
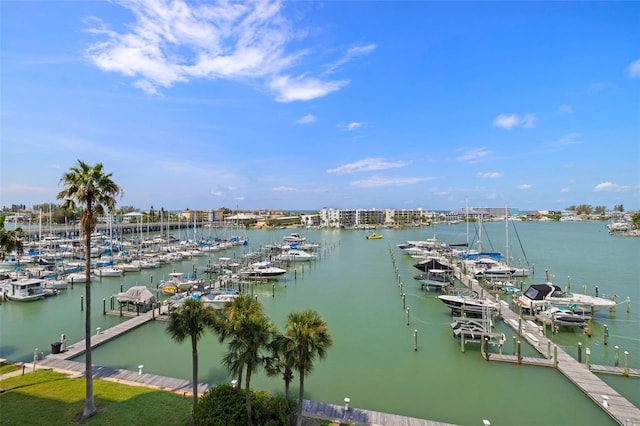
(363, 317)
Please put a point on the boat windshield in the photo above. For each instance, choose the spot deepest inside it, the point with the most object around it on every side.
(532, 293)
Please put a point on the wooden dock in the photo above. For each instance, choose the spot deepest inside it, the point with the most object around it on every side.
(357, 416)
(607, 398)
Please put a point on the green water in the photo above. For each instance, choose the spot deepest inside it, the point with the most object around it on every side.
(372, 361)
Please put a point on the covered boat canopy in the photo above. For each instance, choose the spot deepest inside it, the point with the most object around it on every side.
(138, 295)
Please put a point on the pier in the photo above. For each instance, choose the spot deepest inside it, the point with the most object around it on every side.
(583, 376)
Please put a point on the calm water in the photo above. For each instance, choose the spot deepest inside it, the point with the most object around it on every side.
(353, 286)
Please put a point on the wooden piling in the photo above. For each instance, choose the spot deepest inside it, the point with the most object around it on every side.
(81, 303)
(605, 334)
(408, 315)
(616, 356)
(415, 339)
(104, 306)
(626, 363)
(580, 352)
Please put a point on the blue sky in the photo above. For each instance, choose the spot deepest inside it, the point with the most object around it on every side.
(304, 105)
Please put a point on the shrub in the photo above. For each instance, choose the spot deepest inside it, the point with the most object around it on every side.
(222, 405)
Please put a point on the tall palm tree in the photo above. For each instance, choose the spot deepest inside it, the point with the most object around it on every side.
(311, 337)
(228, 326)
(252, 336)
(281, 360)
(191, 320)
(93, 190)
(9, 240)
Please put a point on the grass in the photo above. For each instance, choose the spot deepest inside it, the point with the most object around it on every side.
(46, 397)
(6, 367)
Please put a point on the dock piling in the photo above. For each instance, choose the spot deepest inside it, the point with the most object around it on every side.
(606, 334)
(415, 339)
(81, 303)
(408, 315)
(580, 352)
(626, 363)
(616, 356)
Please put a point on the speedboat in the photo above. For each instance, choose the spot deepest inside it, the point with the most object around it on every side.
(294, 237)
(23, 290)
(468, 303)
(564, 317)
(374, 236)
(262, 269)
(539, 297)
(295, 255)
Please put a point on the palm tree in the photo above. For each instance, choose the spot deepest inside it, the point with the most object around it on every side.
(191, 320)
(310, 336)
(281, 360)
(9, 240)
(252, 335)
(93, 190)
(228, 326)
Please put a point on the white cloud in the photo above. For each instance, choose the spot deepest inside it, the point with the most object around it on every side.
(475, 155)
(283, 189)
(351, 53)
(524, 186)
(609, 187)
(303, 88)
(633, 70)
(510, 121)
(489, 175)
(565, 109)
(175, 41)
(307, 119)
(366, 165)
(566, 140)
(377, 181)
(353, 125)
(564, 190)
(600, 86)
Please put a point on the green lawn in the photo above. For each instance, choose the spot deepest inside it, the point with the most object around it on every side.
(46, 397)
(6, 367)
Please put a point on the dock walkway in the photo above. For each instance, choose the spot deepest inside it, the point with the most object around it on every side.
(617, 406)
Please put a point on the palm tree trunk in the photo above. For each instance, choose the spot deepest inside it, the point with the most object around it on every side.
(248, 396)
(239, 384)
(89, 404)
(194, 360)
(300, 397)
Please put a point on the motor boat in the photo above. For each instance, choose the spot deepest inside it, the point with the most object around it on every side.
(264, 269)
(23, 290)
(470, 304)
(539, 297)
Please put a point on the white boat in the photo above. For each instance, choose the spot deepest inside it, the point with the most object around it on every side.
(22, 290)
(262, 269)
(294, 237)
(108, 271)
(133, 266)
(491, 268)
(217, 301)
(76, 277)
(470, 304)
(564, 317)
(539, 297)
(55, 284)
(295, 255)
